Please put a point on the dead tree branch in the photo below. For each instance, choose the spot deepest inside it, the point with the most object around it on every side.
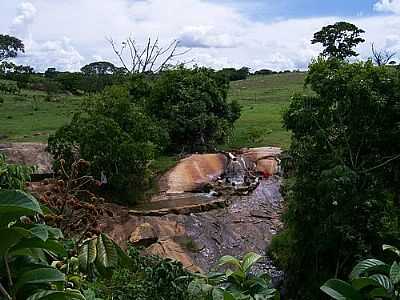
(382, 57)
(151, 58)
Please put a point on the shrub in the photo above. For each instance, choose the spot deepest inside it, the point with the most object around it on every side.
(25, 248)
(236, 283)
(344, 200)
(193, 105)
(147, 278)
(369, 279)
(115, 136)
(13, 176)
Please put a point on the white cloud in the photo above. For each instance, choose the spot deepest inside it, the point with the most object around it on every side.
(205, 37)
(43, 53)
(26, 13)
(392, 6)
(219, 34)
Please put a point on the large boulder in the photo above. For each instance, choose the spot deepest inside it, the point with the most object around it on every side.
(193, 172)
(144, 235)
(31, 154)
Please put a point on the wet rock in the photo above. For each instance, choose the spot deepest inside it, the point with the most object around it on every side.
(144, 235)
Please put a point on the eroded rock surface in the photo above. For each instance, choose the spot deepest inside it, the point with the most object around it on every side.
(247, 224)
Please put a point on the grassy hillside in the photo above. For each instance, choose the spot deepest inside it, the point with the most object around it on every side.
(30, 117)
(263, 99)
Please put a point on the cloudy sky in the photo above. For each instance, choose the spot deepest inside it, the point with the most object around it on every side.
(273, 34)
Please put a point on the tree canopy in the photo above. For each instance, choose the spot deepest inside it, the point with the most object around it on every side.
(99, 68)
(10, 46)
(339, 39)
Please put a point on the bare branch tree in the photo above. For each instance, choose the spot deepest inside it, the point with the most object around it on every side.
(151, 58)
(382, 57)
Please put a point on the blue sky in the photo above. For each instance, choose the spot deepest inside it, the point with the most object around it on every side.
(274, 34)
(285, 9)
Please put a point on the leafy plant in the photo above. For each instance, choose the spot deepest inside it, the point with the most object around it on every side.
(145, 278)
(116, 137)
(343, 197)
(238, 283)
(13, 176)
(25, 249)
(193, 105)
(370, 279)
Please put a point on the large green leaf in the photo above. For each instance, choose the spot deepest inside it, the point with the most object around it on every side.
(87, 254)
(15, 203)
(50, 245)
(378, 293)
(340, 290)
(395, 273)
(229, 260)
(383, 280)
(41, 231)
(9, 237)
(249, 260)
(363, 282)
(40, 275)
(57, 295)
(106, 253)
(391, 248)
(365, 266)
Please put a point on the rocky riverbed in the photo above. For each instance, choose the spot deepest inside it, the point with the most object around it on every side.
(201, 212)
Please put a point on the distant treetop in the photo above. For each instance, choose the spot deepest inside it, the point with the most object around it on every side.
(339, 40)
(10, 46)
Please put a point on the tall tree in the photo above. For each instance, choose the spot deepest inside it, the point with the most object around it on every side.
(10, 46)
(99, 68)
(339, 40)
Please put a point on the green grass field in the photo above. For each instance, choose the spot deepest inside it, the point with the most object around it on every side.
(29, 117)
(263, 100)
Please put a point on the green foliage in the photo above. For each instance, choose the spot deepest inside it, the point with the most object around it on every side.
(145, 278)
(231, 74)
(115, 136)
(236, 284)
(344, 201)
(98, 68)
(25, 272)
(10, 46)
(339, 40)
(370, 279)
(192, 104)
(100, 255)
(13, 176)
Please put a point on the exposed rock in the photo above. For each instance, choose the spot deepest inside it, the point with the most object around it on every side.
(144, 235)
(171, 249)
(31, 154)
(192, 173)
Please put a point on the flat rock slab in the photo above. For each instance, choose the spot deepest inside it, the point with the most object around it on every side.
(30, 154)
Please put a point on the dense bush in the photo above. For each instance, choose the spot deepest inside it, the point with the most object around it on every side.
(13, 176)
(345, 198)
(147, 278)
(27, 251)
(236, 283)
(369, 279)
(193, 105)
(115, 136)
